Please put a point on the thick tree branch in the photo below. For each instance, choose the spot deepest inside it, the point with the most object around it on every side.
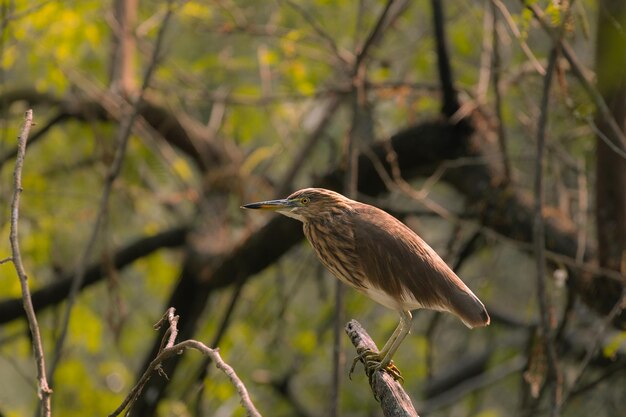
(57, 292)
(183, 133)
(450, 99)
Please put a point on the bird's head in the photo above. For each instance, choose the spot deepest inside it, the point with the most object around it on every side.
(308, 204)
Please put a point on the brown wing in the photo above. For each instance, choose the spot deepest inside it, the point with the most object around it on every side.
(399, 263)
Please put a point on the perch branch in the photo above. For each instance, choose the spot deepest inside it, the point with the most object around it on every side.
(394, 401)
(44, 390)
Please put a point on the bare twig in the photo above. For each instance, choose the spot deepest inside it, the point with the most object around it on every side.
(169, 338)
(394, 401)
(44, 390)
(373, 36)
(113, 173)
(539, 242)
(319, 30)
(518, 35)
(169, 349)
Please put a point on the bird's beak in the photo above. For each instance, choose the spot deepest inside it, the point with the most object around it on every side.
(273, 205)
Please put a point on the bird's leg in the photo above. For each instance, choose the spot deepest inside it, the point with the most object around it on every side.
(403, 329)
(374, 361)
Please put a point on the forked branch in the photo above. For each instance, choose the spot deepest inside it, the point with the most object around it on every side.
(168, 349)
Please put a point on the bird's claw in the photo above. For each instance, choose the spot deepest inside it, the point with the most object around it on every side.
(372, 362)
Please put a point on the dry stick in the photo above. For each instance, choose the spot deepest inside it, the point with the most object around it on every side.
(539, 240)
(518, 35)
(113, 173)
(170, 349)
(394, 401)
(44, 390)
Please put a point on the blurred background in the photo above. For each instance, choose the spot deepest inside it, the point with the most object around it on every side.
(494, 130)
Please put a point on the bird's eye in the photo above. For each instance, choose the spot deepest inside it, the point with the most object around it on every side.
(305, 201)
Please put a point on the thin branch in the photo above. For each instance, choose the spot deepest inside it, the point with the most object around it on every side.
(539, 241)
(44, 390)
(169, 349)
(617, 142)
(113, 173)
(518, 35)
(394, 401)
(318, 29)
(373, 36)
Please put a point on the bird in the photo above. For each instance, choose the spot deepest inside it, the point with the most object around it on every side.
(373, 252)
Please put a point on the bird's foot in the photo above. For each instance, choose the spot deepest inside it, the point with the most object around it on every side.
(372, 361)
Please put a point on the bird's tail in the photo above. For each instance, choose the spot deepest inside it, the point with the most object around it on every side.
(470, 309)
